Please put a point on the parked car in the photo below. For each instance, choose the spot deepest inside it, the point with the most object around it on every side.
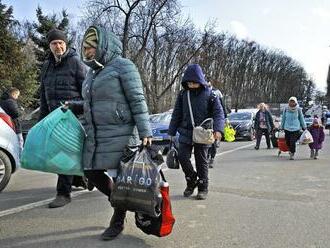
(9, 149)
(308, 120)
(29, 120)
(242, 122)
(159, 124)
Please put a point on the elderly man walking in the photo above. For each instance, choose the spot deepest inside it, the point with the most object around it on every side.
(61, 79)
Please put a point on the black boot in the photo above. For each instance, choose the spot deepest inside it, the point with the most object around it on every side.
(202, 189)
(116, 225)
(191, 185)
(79, 181)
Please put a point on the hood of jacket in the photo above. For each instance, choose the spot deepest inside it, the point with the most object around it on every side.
(108, 48)
(194, 73)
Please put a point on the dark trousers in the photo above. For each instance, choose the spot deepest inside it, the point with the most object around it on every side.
(200, 153)
(213, 149)
(64, 185)
(291, 139)
(260, 132)
(101, 181)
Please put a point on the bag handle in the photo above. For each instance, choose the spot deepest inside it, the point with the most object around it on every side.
(162, 175)
(50, 129)
(190, 110)
(206, 120)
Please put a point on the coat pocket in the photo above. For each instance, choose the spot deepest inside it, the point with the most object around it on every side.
(123, 113)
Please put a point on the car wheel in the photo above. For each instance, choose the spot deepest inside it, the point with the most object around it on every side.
(251, 136)
(5, 170)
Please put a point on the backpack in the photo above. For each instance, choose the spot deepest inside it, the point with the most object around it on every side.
(217, 93)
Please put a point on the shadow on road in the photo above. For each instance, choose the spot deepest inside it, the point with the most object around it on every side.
(83, 237)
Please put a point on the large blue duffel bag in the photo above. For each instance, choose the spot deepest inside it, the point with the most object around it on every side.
(55, 144)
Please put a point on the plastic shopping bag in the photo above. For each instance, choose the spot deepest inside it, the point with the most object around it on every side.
(55, 144)
(229, 133)
(163, 224)
(306, 138)
(137, 185)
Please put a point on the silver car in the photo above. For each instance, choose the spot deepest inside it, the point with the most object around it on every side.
(9, 149)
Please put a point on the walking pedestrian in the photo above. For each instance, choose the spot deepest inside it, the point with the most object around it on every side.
(8, 102)
(292, 122)
(213, 149)
(204, 104)
(324, 116)
(317, 131)
(263, 125)
(62, 75)
(115, 113)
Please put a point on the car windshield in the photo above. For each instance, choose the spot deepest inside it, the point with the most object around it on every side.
(161, 118)
(154, 118)
(239, 116)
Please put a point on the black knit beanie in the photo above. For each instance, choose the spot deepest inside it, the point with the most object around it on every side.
(56, 34)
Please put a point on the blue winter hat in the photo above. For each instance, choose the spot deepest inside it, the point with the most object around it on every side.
(193, 73)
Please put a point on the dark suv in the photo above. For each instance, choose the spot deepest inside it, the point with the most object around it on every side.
(242, 122)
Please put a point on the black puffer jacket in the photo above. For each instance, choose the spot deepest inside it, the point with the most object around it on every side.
(61, 81)
(10, 106)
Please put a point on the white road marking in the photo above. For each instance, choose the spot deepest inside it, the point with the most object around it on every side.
(234, 150)
(75, 194)
(35, 204)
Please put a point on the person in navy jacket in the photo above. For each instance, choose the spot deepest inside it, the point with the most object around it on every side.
(205, 104)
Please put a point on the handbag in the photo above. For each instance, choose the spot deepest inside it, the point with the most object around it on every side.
(201, 135)
(162, 225)
(172, 160)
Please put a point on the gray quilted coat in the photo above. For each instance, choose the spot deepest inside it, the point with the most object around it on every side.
(115, 110)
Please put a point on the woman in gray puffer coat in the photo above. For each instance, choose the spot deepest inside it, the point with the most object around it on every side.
(115, 113)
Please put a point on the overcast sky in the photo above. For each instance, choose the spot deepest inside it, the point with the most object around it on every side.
(298, 27)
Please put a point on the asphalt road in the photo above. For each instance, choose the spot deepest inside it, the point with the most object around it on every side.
(256, 199)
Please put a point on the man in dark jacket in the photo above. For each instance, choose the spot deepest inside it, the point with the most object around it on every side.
(263, 125)
(204, 106)
(61, 80)
(8, 102)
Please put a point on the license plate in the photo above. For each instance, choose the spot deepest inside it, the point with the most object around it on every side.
(157, 138)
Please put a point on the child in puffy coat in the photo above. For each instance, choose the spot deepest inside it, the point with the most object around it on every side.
(317, 131)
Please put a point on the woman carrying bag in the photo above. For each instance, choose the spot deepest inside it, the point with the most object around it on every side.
(263, 125)
(292, 122)
(194, 104)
